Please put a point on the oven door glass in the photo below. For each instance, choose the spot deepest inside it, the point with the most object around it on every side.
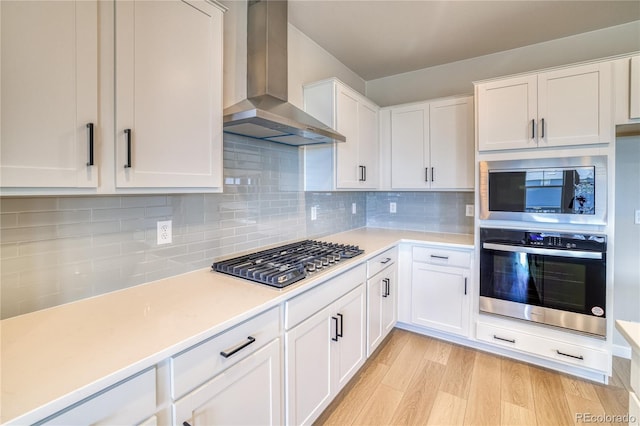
(565, 283)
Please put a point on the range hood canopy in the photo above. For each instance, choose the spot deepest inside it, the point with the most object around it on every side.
(266, 114)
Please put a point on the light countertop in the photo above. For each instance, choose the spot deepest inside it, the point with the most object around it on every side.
(631, 332)
(55, 357)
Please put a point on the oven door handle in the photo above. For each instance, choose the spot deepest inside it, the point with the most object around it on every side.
(544, 251)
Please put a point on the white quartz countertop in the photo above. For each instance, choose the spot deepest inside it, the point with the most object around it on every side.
(631, 332)
(58, 356)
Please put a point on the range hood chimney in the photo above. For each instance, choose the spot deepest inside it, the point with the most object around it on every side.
(266, 114)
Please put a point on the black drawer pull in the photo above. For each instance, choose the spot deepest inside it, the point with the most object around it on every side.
(127, 132)
(335, 339)
(186, 424)
(503, 339)
(569, 355)
(542, 128)
(465, 286)
(435, 256)
(90, 127)
(232, 351)
(387, 260)
(341, 324)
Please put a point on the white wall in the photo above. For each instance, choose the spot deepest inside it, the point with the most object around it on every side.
(627, 234)
(307, 62)
(456, 78)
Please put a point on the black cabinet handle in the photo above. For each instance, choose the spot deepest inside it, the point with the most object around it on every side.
(435, 256)
(386, 260)
(533, 129)
(426, 174)
(186, 424)
(387, 287)
(335, 339)
(90, 134)
(465, 286)
(241, 346)
(128, 133)
(363, 173)
(569, 355)
(543, 128)
(503, 339)
(341, 324)
(433, 178)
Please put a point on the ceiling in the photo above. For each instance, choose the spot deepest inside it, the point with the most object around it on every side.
(386, 37)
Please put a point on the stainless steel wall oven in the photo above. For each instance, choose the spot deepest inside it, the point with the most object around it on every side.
(557, 279)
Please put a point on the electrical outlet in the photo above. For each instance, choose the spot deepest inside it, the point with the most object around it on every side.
(637, 219)
(314, 212)
(470, 208)
(353, 208)
(164, 232)
(392, 207)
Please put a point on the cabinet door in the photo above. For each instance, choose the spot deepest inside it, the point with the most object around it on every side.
(308, 367)
(409, 147)
(381, 305)
(389, 306)
(369, 147)
(350, 356)
(347, 165)
(439, 298)
(248, 393)
(168, 94)
(507, 113)
(451, 140)
(49, 93)
(376, 291)
(634, 88)
(574, 106)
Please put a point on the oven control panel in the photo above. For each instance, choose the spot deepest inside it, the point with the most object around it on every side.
(541, 239)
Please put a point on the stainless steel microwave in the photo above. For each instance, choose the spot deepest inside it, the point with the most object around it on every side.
(545, 190)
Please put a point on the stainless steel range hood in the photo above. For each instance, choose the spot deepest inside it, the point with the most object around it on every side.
(266, 114)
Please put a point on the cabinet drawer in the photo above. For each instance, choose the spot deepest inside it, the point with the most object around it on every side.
(582, 356)
(441, 256)
(128, 402)
(198, 364)
(302, 307)
(381, 261)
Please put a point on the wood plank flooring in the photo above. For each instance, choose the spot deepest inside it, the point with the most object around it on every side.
(418, 380)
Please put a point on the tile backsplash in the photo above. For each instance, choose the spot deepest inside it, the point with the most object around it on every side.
(56, 250)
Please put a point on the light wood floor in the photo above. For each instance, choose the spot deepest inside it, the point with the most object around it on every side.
(414, 379)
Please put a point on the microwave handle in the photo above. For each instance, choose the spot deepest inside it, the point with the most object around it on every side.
(544, 251)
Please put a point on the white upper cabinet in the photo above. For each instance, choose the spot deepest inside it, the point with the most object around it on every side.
(348, 165)
(168, 94)
(432, 145)
(49, 94)
(570, 106)
(626, 73)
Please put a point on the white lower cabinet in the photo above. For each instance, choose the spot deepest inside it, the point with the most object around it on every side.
(324, 351)
(382, 297)
(440, 289)
(248, 393)
(130, 402)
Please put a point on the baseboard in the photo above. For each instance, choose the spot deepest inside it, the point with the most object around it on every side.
(621, 351)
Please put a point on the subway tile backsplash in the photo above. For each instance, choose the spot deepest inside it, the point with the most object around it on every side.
(55, 250)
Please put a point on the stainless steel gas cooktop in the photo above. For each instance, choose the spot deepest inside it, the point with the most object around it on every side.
(284, 265)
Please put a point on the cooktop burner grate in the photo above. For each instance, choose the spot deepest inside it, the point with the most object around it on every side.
(284, 265)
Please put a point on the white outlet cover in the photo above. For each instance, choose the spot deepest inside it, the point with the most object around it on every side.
(392, 207)
(164, 232)
(314, 212)
(637, 218)
(470, 210)
(354, 208)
